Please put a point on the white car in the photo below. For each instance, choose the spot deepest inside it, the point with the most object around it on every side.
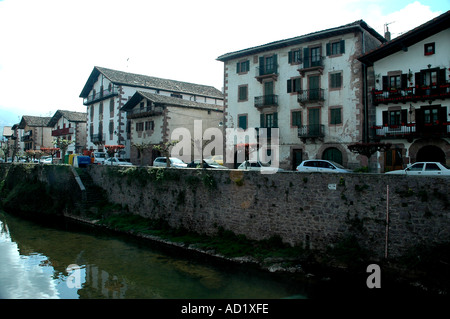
(174, 162)
(424, 168)
(258, 166)
(323, 166)
(117, 162)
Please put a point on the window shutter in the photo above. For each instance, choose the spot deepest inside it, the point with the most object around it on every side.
(261, 120)
(404, 117)
(404, 81)
(290, 57)
(289, 86)
(342, 46)
(418, 78)
(441, 76)
(275, 119)
(261, 65)
(305, 58)
(275, 64)
(238, 67)
(385, 117)
(247, 63)
(385, 83)
(328, 49)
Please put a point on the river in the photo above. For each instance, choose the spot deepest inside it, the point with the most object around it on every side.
(75, 261)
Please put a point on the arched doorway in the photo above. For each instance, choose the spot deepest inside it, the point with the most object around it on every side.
(430, 153)
(332, 154)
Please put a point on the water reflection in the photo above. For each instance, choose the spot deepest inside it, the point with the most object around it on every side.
(35, 261)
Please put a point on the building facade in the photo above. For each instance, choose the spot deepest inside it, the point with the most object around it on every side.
(309, 87)
(411, 96)
(106, 92)
(156, 119)
(71, 126)
(36, 132)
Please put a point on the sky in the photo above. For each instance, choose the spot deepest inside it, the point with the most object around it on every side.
(48, 48)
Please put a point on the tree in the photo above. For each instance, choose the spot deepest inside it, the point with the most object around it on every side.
(50, 150)
(63, 145)
(141, 148)
(113, 149)
(368, 149)
(164, 148)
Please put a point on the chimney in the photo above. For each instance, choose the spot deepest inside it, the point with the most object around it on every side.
(387, 34)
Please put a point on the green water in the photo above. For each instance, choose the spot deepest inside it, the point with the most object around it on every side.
(35, 258)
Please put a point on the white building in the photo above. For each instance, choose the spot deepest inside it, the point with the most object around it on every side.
(310, 87)
(106, 92)
(411, 96)
(69, 125)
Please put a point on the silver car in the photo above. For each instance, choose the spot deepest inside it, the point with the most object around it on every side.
(174, 162)
(323, 166)
(424, 168)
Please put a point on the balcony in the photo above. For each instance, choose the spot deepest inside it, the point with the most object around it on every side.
(144, 112)
(102, 95)
(63, 131)
(311, 131)
(412, 94)
(311, 64)
(98, 138)
(411, 130)
(266, 101)
(267, 71)
(311, 96)
(27, 136)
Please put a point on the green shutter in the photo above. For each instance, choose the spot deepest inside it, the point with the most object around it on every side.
(289, 86)
(290, 57)
(275, 119)
(342, 46)
(328, 49)
(275, 64)
(238, 67)
(306, 58)
(261, 120)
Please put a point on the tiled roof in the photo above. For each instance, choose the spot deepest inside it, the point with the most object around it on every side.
(34, 121)
(409, 38)
(167, 100)
(302, 39)
(69, 115)
(145, 81)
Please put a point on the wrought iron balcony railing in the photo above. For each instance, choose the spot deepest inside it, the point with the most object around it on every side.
(102, 95)
(311, 131)
(144, 112)
(410, 94)
(266, 100)
(311, 96)
(63, 131)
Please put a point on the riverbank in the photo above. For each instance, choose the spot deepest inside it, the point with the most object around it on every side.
(39, 191)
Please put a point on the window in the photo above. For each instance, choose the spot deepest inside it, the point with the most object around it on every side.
(395, 117)
(336, 80)
(243, 66)
(429, 48)
(335, 116)
(177, 95)
(242, 122)
(430, 116)
(395, 82)
(432, 167)
(242, 93)
(295, 56)
(111, 127)
(296, 118)
(269, 120)
(139, 127)
(149, 125)
(111, 108)
(294, 85)
(336, 48)
(316, 56)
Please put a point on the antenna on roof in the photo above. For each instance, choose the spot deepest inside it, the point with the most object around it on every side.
(387, 34)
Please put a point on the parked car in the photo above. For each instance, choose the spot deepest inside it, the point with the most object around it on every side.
(258, 166)
(116, 161)
(206, 164)
(424, 168)
(323, 166)
(98, 157)
(174, 162)
(216, 158)
(46, 160)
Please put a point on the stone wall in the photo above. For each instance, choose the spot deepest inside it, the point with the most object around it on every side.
(310, 209)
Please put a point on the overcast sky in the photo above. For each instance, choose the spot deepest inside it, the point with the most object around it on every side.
(48, 48)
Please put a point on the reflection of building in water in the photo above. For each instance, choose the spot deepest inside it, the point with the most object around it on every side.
(109, 286)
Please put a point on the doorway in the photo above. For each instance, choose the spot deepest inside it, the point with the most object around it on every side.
(431, 153)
